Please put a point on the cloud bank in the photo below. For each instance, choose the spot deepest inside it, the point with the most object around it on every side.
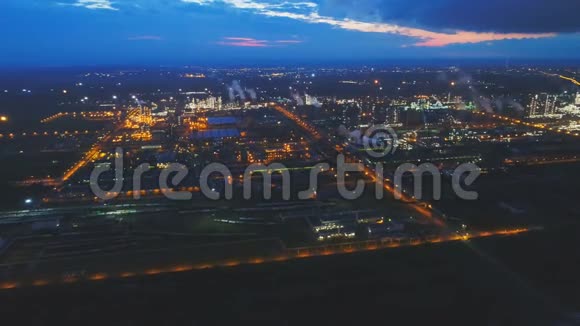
(501, 16)
(254, 43)
(308, 12)
(92, 4)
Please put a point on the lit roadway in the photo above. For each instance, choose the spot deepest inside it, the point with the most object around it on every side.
(94, 150)
(422, 208)
(570, 79)
(296, 119)
(527, 124)
(89, 156)
(92, 154)
(284, 255)
(543, 160)
(45, 133)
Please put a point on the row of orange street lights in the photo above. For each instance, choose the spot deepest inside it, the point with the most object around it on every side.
(84, 114)
(286, 255)
(298, 121)
(570, 79)
(574, 81)
(45, 133)
(527, 124)
(424, 209)
(94, 150)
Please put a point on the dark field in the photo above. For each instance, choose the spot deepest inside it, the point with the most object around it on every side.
(497, 281)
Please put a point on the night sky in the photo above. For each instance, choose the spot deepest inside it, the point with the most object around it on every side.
(177, 32)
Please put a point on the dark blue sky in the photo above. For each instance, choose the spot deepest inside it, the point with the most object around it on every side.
(175, 32)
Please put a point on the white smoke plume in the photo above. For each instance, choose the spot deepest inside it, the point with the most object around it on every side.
(316, 103)
(484, 103)
(517, 106)
(235, 91)
(252, 94)
(298, 98)
(238, 90)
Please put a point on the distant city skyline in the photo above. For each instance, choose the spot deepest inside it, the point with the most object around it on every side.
(179, 32)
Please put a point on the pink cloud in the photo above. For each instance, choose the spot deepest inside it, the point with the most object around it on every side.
(243, 42)
(425, 37)
(254, 43)
(435, 39)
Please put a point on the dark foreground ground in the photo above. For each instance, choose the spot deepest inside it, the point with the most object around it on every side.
(529, 279)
